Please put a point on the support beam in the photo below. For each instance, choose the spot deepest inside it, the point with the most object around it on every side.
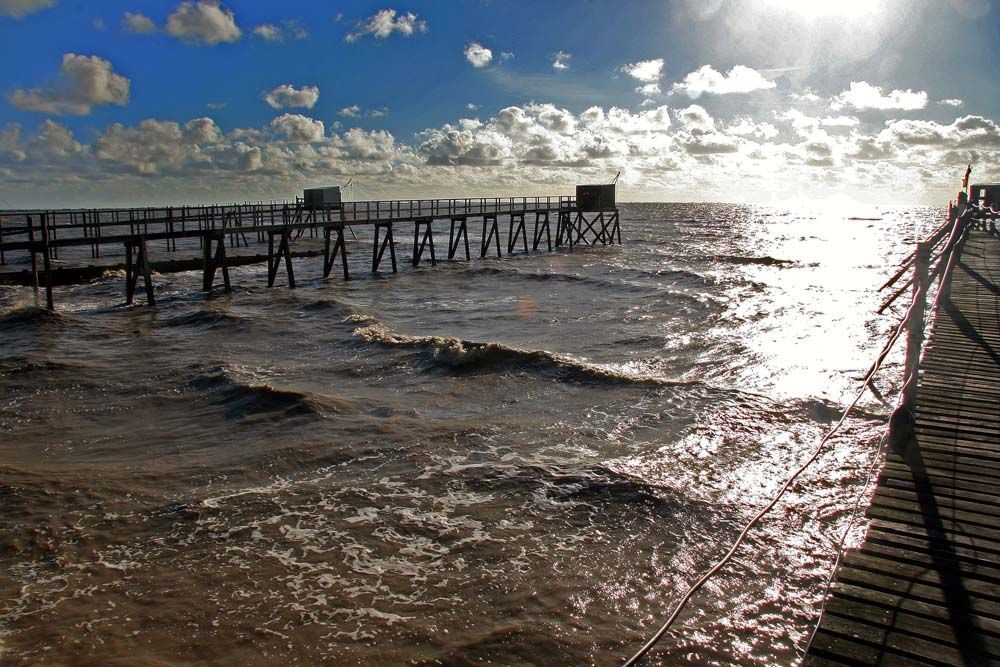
(274, 257)
(490, 219)
(541, 225)
(133, 267)
(328, 255)
(463, 234)
(212, 261)
(418, 250)
(514, 231)
(378, 251)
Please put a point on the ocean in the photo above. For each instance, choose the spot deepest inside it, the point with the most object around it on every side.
(502, 462)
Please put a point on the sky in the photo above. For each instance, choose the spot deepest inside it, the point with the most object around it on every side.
(759, 101)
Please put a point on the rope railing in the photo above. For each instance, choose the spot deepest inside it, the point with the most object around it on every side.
(913, 324)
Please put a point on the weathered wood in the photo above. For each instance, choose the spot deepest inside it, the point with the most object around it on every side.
(428, 239)
(463, 234)
(925, 585)
(330, 255)
(494, 234)
(378, 251)
(541, 225)
(515, 228)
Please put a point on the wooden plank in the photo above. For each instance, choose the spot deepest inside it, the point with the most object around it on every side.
(925, 585)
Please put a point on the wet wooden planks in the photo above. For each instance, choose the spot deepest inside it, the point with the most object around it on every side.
(924, 589)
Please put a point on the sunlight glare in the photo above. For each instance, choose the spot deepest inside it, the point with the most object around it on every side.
(816, 9)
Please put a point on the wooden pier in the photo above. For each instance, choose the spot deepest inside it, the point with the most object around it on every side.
(69, 246)
(924, 589)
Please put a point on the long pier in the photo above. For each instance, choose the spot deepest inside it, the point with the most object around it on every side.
(68, 246)
(924, 588)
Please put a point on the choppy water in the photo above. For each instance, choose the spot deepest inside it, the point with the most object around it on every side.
(522, 461)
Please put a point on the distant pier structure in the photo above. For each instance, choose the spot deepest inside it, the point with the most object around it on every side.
(47, 248)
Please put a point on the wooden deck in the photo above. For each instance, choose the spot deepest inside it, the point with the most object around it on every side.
(924, 589)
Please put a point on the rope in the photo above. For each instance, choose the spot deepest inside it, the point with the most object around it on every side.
(876, 366)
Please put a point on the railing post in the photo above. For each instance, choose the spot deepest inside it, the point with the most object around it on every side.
(915, 331)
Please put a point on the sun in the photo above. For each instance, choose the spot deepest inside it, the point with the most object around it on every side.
(822, 8)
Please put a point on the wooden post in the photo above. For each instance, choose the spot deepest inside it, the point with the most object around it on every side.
(34, 254)
(46, 262)
(915, 330)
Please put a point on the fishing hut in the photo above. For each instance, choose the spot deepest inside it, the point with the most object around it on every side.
(47, 248)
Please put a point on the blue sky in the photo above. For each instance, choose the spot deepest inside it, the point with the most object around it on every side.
(738, 100)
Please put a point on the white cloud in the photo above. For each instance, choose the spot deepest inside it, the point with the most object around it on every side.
(807, 95)
(10, 143)
(297, 128)
(951, 102)
(973, 132)
(353, 111)
(839, 121)
(287, 96)
(84, 82)
(744, 126)
(506, 55)
(647, 71)
(560, 60)
(739, 79)
(478, 55)
(19, 8)
(53, 142)
(863, 95)
(649, 89)
(203, 22)
(472, 106)
(269, 32)
(138, 23)
(385, 22)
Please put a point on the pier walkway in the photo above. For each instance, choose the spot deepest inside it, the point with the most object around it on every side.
(924, 589)
(59, 247)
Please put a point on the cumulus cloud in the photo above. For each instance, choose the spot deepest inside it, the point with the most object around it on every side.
(138, 23)
(863, 95)
(385, 22)
(19, 8)
(83, 83)
(353, 111)
(560, 60)
(951, 102)
(646, 71)
(739, 79)
(53, 142)
(744, 126)
(203, 22)
(298, 129)
(478, 55)
(288, 96)
(972, 132)
(546, 135)
(269, 32)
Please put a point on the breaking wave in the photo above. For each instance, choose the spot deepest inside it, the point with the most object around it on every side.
(464, 355)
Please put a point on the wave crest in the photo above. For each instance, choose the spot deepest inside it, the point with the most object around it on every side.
(464, 355)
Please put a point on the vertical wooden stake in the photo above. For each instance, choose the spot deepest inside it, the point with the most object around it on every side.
(915, 331)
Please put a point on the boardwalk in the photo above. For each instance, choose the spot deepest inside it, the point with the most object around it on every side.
(925, 587)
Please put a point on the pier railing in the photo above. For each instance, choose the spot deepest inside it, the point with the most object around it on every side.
(97, 223)
(932, 260)
(202, 231)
